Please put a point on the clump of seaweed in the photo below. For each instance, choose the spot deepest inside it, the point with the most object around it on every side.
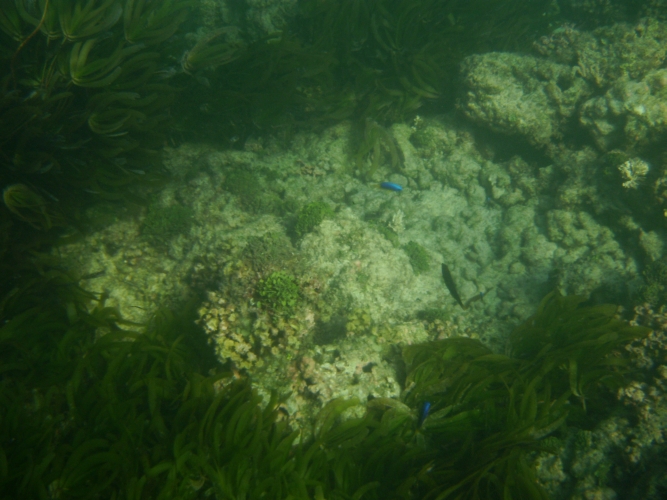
(91, 408)
(654, 291)
(374, 146)
(419, 257)
(83, 106)
(310, 216)
(279, 291)
(488, 410)
(393, 56)
(164, 223)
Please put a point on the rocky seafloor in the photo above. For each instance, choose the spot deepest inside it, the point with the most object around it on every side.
(550, 174)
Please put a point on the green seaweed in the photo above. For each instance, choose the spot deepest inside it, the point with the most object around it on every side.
(92, 406)
(654, 291)
(394, 56)
(83, 108)
(310, 216)
(375, 146)
(489, 410)
(279, 291)
(419, 257)
(164, 223)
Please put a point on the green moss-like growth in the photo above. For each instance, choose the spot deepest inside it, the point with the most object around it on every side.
(251, 195)
(310, 216)
(279, 291)
(419, 258)
(268, 251)
(434, 314)
(654, 292)
(164, 223)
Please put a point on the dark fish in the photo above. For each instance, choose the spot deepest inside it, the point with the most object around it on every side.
(451, 286)
(426, 407)
(391, 186)
(91, 276)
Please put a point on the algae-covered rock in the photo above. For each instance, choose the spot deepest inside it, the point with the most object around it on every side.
(419, 257)
(631, 112)
(310, 216)
(520, 94)
(164, 223)
(279, 291)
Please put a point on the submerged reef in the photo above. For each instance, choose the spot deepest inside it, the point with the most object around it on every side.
(310, 216)
(83, 409)
(610, 80)
(310, 279)
(593, 103)
(163, 223)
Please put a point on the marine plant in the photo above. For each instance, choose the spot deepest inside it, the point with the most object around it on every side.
(419, 257)
(279, 291)
(488, 410)
(310, 216)
(374, 146)
(83, 106)
(244, 88)
(30, 207)
(654, 291)
(161, 224)
(92, 406)
(211, 51)
(393, 56)
(130, 413)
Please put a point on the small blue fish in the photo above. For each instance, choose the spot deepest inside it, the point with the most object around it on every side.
(423, 413)
(391, 186)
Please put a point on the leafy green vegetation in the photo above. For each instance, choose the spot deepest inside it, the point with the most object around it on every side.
(164, 223)
(488, 410)
(90, 408)
(394, 56)
(310, 216)
(654, 291)
(419, 257)
(83, 106)
(279, 291)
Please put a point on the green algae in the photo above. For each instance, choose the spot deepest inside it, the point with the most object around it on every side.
(419, 257)
(310, 216)
(144, 413)
(164, 223)
(279, 291)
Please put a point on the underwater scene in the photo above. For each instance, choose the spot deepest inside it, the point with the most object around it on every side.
(333, 249)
